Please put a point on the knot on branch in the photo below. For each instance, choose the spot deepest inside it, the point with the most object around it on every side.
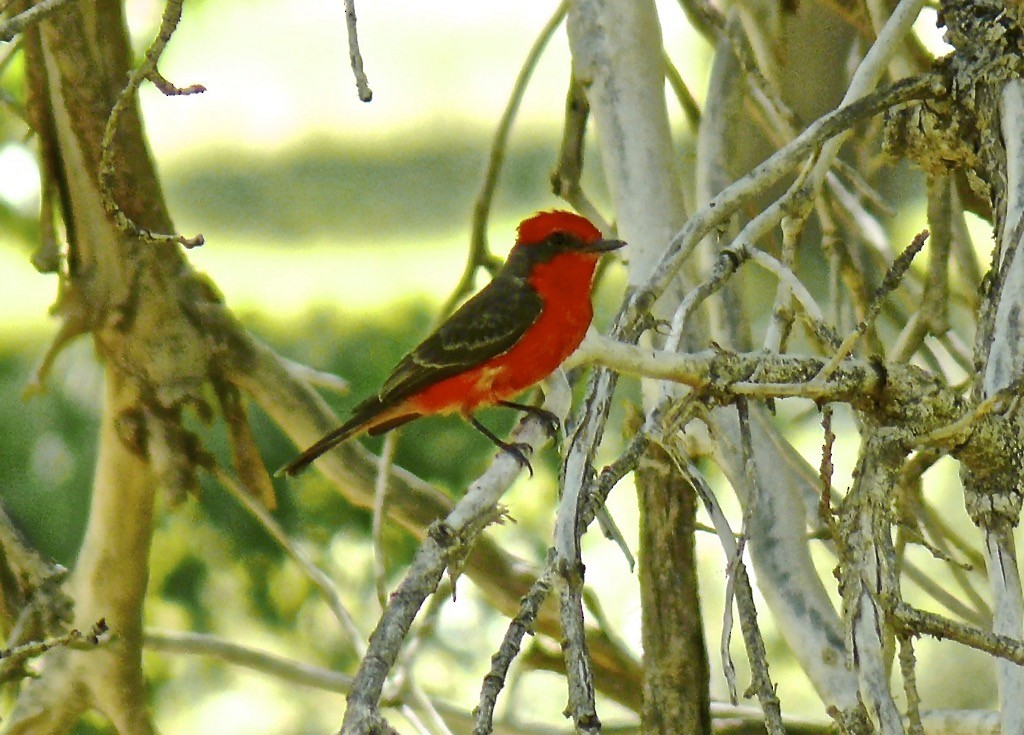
(853, 720)
(911, 397)
(571, 571)
(960, 130)
(992, 470)
(443, 535)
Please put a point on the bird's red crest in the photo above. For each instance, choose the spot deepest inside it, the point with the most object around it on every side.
(540, 226)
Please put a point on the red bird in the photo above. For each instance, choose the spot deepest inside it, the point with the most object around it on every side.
(516, 331)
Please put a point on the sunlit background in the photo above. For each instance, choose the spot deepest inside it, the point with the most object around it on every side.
(335, 229)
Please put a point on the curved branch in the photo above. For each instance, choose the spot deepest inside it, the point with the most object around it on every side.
(479, 254)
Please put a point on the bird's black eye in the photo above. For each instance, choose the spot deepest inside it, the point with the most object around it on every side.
(560, 240)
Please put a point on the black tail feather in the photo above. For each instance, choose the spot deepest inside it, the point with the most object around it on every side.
(386, 426)
(326, 443)
(360, 421)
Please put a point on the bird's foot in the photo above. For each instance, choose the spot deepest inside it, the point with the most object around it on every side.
(519, 452)
(552, 424)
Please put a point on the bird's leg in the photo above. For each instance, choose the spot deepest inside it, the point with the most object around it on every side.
(517, 450)
(551, 422)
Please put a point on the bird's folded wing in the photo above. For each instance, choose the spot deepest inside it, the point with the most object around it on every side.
(486, 326)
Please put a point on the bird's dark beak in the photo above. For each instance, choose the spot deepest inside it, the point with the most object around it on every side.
(603, 246)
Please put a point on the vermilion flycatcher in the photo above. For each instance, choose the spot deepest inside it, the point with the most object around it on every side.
(512, 334)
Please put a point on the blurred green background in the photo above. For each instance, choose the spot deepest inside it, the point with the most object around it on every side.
(335, 230)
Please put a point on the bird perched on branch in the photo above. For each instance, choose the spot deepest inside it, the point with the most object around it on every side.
(513, 333)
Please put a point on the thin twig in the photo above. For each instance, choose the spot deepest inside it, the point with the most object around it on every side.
(889, 283)
(202, 644)
(623, 465)
(435, 722)
(932, 312)
(510, 646)
(756, 653)
(877, 200)
(427, 625)
(731, 546)
(908, 666)
(565, 179)
(569, 570)
(380, 491)
(479, 253)
(12, 658)
(316, 575)
(168, 24)
(419, 727)
(925, 580)
(921, 622)
(169, 89)
(22, 20)
(355, 57)
(315, 377)
(781, 324)
(582, 707)
(686, 99)
(825, 514)
(726, 265)
(946, 540)
(787, 280)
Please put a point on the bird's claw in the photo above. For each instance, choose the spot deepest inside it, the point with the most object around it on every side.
(519, 450)
(552, 424)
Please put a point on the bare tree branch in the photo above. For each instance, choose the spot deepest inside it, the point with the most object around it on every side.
(13, 26)
(107, 173)
(355, 55)
(479, 254)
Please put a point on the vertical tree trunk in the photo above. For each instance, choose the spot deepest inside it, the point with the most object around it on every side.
(109, 583)
(676, 674)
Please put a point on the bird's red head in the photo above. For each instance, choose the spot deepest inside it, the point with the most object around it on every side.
(541, 226)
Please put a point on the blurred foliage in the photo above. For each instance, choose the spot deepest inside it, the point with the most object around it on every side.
(323, 188)
(46, 457)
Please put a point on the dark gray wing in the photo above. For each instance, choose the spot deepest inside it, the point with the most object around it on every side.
(486, 326)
